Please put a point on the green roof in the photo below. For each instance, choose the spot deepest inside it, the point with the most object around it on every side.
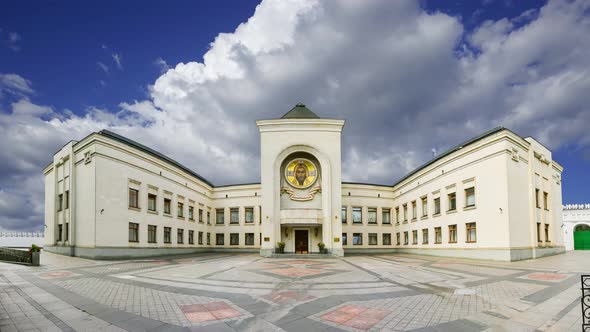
(300, 112)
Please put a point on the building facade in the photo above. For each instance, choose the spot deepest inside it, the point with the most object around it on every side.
(497, 196)
(576, 226)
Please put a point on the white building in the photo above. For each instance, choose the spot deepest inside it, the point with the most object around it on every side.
(576, 226)
(497, 196)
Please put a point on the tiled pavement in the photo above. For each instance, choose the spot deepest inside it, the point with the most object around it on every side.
(244, 292)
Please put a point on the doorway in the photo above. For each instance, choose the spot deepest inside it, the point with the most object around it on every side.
(301, 241)
(582, 237)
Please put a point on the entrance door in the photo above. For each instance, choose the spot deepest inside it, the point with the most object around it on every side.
(301, 242)
(582, 237)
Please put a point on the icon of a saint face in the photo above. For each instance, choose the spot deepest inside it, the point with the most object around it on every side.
(301, 174)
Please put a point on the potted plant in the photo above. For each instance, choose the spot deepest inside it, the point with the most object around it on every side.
(280, 247)
(322, 248)
(35, 253)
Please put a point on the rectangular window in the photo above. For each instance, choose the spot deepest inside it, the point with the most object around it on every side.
(372, 215)
(234, 216)
(191, 213)
(386, 239)
(437, 206)
(545, 200)
(373, 239)
(152, 202)
(219, 216)
(249, 239)
(546, 232)
(425, 236)
(344, 220)
(180, 212)
(67, 200)
(200, 237)
(167, 206)
(208, 218)
(424, 206)
(452, 233)
(539, 239)
(167, 235)
(470, 197)
(357, 239)
(537, 198)
(219, 238)
(397, 215)
(414, 237)
(152, 234)
(452, 197)
(67, 232)
(437, 235)
(386, 216)
(249, 215)
(414, 210)
(357, 215)
(406, 238)
(234, 239)
(191, 237)
(60, 232)
(471, 232)
(344, 239)
(180, 236)
(134, 198)
(405, 206)
(133, 232)
(200, 215)
(397, 238)
(60, 202)
(208, 238)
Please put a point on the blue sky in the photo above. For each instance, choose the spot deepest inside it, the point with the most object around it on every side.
(190, 78)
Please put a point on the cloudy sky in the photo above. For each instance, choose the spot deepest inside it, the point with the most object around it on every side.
(410, 78)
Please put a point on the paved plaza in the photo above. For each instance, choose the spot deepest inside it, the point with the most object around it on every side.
(246, 292)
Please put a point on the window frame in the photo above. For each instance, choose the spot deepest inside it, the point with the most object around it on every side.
(152, 234)
(437, 209)
(358, 236)
(424, 202)
(425, 236)
(180, 209)
(344, 215)
(414, 236)
(191, 236)
(438, 235)
(468, 229)
(167, 206)
(219, 236)
(253, 236)
(234, 212)
(385, 236)
(219, 216)
(136, 200)
(233, 236)
(133, 232)
(251, 210)
(360, 215)
(466, 192)
(452, 201)
(167, 234)
(453, 233)
(384, 212)
(375, 237)
(371, 211)
(180, 236)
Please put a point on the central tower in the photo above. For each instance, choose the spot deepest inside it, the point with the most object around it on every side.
(300, 161)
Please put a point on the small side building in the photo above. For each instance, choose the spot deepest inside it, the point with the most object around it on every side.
(576, 226)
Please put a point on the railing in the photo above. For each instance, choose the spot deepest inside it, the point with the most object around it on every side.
(586, 303)
(18, 256)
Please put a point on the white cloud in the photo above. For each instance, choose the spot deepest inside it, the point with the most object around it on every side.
(102, 66)
(162, 64)
(14, 84)
(118, 60)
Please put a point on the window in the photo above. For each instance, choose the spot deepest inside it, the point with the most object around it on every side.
(200, 237)
(405, 206)
(152, 234)
(152, 202)
(219, 238)
(60, 202)
(180, 210)
(133, 198)
(372, 215)
(539, 232)
(546, 232)
(414, 210)
(424, 206)
(386, 216)
(344, 239)
(167, 206)
(191, 213)
(208, 218)
(133, 232)
(208, 238)
(357, 215)
(67, 201)
(67, 232)
(200, 215)
(386, 239)
(452, 197)
(397, 238)
(167, 235)
(414, 237)
(373, 239)
(470, 197)
(437, 235)
(219, 216)
(357, 239)
(452, 233)
(60, 232)
(249, 239)
(180, 236)
(406, 238)
(234, 239)
(425, 236)
(537, 198)
(249, 215)
(397, 215)
(437, 206)
(545, 200)
(234, 216)
(344, 220)
(191, 237)
(471, 232)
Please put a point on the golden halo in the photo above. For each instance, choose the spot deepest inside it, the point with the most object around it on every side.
(301, 173)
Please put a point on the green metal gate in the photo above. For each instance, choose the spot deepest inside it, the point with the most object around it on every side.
(582, 240)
